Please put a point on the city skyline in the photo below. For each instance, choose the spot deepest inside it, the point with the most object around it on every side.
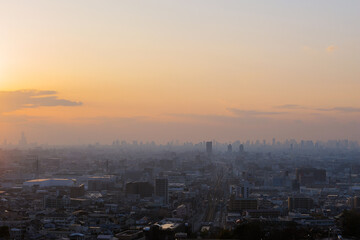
(226, 146)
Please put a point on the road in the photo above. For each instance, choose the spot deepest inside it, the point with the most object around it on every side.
(215, 199)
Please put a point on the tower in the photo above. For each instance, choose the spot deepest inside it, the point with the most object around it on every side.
(209, 147)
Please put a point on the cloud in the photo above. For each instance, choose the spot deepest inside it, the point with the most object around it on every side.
(340, 109)
(14, 100)
(252, 112)
(331, 48)
(193, 115)
(290, 106)
(331, 109)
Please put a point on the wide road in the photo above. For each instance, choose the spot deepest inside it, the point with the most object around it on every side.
(215, 194)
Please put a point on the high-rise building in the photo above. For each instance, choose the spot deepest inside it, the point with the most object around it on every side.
(241, 148)
(245, 191)
(161, 189)
(22, 141)
(229, 148)
(242, 191)
(209, 147)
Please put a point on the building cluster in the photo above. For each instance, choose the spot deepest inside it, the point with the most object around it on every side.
(111, 192)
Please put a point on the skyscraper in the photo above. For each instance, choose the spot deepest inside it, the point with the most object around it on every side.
(23, 140)
(161, 189)
(229, 148)
(209, 147)
(241, 148)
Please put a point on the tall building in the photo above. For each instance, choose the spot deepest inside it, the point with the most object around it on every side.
(161, 189)
(229, 148)
(241, 148)
(242, 191)
(22, 141)
(209, 147)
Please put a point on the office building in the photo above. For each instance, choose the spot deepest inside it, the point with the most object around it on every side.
(240, 191)
(162, 189)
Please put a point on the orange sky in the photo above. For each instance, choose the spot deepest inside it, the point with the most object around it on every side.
(160, 70)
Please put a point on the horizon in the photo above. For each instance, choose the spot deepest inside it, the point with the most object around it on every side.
(287, 143)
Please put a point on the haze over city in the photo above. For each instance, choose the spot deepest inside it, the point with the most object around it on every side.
(79, 72)
(173, 120)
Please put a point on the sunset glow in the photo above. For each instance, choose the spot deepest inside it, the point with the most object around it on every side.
(165, 70)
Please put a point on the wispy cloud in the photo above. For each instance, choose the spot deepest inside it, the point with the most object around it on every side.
(331, 48)
(290, 106)
(14, 100)
(340, 109)
(319, 109)
(252, 112)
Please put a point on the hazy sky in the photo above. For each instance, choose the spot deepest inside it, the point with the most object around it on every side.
(86, 71)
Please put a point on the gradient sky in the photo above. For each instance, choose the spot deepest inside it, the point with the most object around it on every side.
(87, 71)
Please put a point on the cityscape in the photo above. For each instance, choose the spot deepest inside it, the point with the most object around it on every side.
(207, 190)
(172, 120)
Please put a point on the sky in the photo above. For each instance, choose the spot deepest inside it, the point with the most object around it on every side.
(78, 72)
